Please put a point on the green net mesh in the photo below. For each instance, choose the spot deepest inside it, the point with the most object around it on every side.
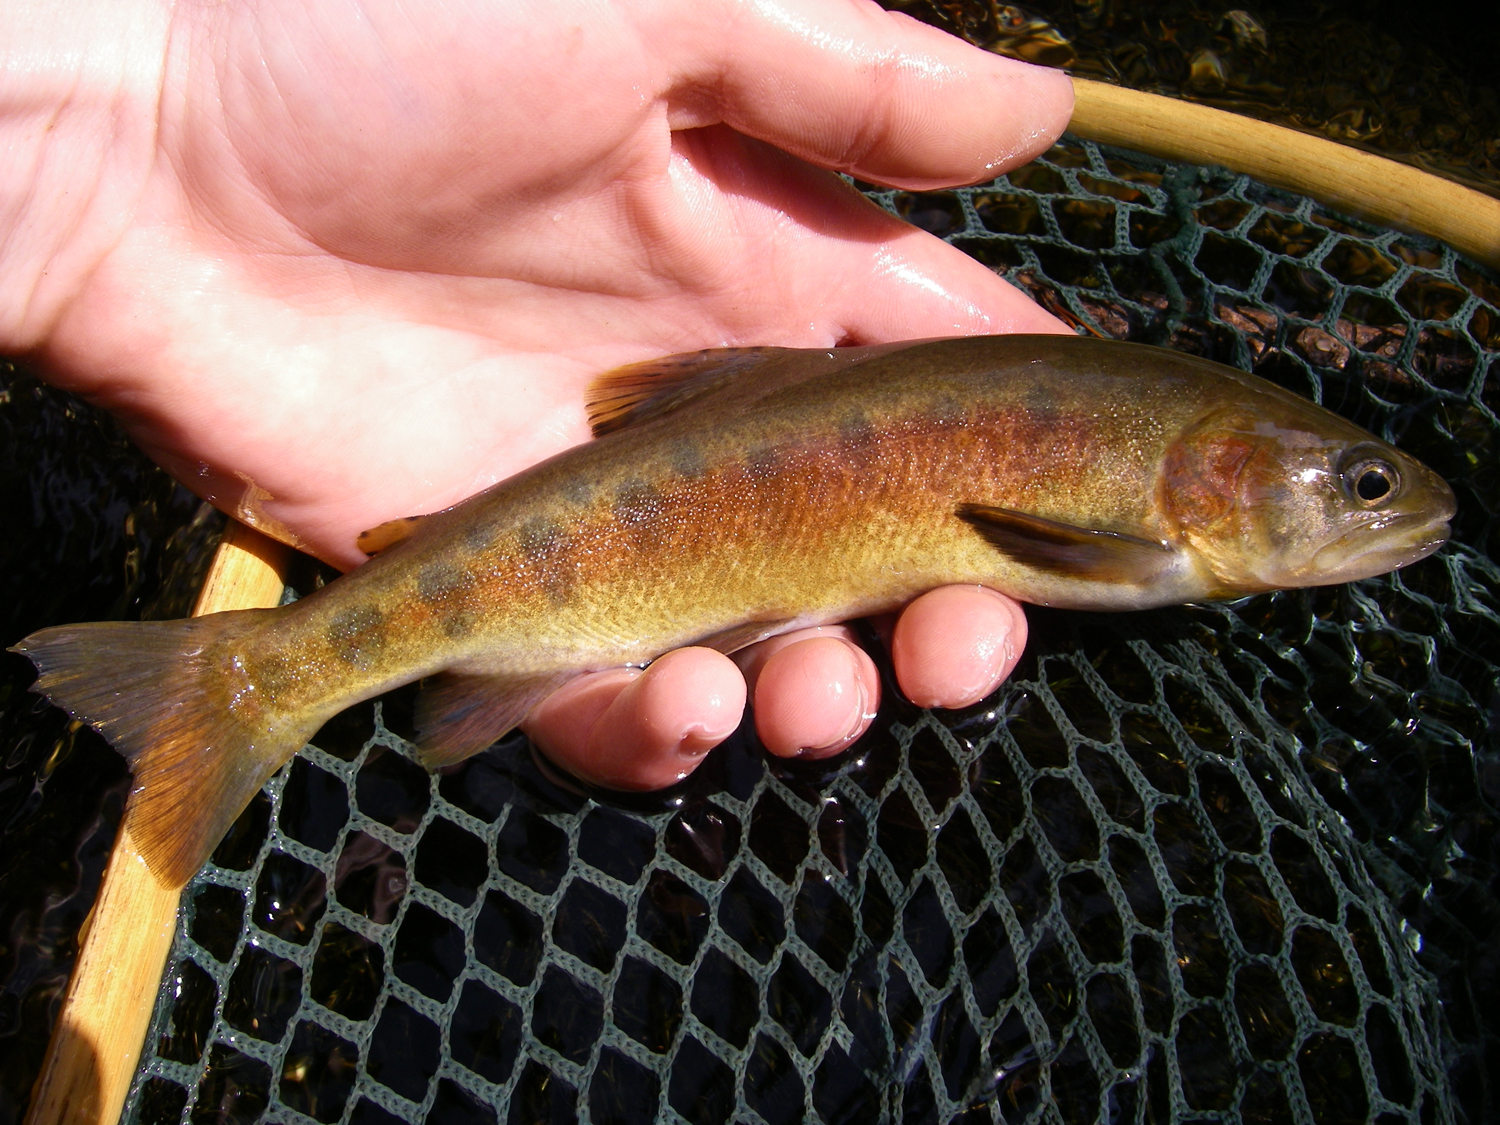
(1198, 864)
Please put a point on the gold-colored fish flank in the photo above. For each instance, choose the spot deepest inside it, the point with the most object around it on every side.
(736, 494)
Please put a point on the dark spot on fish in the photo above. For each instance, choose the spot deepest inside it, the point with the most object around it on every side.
(480, 536)
(948, 411)
(578, 491)
(538, 538)
(1039, 398)
(761, 460)
(686, 457)
(437, 581)
(636, 502)
(855, 428)
(558, 581)
(357, 635)
(446, 587)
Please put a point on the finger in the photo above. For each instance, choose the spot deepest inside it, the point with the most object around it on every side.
(853, 88)
(954, 645)
(624, 729)
(815, 692)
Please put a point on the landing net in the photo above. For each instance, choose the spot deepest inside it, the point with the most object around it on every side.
(1220, 864)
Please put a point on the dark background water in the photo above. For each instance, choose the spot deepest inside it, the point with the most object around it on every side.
(1412, 82)
(94, 531)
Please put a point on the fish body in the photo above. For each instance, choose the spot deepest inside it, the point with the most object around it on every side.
(743, 493)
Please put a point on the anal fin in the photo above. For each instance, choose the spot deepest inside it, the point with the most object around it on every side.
(1061, 548)
(459, 714)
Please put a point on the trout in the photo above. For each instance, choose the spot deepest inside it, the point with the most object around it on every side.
(736, 494)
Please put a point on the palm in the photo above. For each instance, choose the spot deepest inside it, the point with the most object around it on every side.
(377, 259)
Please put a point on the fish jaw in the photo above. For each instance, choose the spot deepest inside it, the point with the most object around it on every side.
(1366, 543)
(1402, 540)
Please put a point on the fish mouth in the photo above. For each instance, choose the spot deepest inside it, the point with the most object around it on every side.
(1400, 541)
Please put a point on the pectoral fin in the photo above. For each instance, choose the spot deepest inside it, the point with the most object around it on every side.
(459, 715)
(1061, 548)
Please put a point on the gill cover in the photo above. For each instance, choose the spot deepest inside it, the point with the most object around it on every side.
(1213, 492)
(1290, 495)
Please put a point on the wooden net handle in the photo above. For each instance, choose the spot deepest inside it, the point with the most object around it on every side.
(1357, 183)
(96, 1045)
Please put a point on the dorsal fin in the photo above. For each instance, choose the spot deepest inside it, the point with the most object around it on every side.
(639, 391)
(388, 534)
(626, 395)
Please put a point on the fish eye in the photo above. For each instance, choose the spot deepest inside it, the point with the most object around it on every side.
(1372, 481)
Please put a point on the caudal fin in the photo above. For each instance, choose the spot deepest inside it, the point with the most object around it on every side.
(164, 694)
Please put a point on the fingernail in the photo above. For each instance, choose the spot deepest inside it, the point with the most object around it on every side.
(694, 746)
(858, 716)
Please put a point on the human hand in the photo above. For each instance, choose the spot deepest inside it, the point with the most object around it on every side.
(369, 256)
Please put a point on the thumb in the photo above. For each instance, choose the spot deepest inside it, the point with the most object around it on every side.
(849, 86)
